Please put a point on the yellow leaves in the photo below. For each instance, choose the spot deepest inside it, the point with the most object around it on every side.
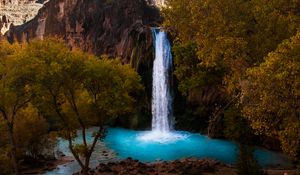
(111, 83)
(81, 150)
(273, 98)
(30, 130)
(290, 138)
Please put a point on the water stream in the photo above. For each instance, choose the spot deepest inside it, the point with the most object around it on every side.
(162, 100)
(161, 86)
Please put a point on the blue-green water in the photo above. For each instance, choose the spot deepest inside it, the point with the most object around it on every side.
(127, 143)
(148, 147)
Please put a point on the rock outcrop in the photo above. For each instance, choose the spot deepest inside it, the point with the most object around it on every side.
(17, 12)
(177, 167)
(117, 28)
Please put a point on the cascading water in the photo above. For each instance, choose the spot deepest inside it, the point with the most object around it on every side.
(161, 95)
(161, 92)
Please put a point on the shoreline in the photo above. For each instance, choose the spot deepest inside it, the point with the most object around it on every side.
(129, 166)
(186, 166)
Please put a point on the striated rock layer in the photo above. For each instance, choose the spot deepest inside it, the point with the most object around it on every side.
(118, 28)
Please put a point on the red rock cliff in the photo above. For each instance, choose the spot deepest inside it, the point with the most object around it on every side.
(118, 28)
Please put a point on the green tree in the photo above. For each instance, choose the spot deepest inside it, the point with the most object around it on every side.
(31, 135)
(210, 52)
(273, 21)
(14, 93)
(80, 90)
(271, 96)
(219, 40)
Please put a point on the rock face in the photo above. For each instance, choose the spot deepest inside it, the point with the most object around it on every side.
(17, 12)
(117, 28)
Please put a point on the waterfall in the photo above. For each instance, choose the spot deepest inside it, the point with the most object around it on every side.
(162, 111)
(161, 92)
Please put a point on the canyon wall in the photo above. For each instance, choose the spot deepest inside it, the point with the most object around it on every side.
(116, 28)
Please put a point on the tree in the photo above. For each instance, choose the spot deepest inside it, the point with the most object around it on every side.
(271, 96)
(219, 40)
(246, 162)
(111, 87)
(5, 160)
(31, 135)
(14, 93)
(78, 89)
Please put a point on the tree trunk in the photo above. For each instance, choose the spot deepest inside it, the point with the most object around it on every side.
(13, 151)
(87, 162)
(85, 170)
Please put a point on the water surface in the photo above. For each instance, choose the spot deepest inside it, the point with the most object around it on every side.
(123, 143)
(128, 143)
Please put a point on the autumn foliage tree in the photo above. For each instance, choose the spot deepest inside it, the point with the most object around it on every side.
(215, 42)
(271, 96)
(14, 94)
(46, 80)
(79, 90)
(225, 50)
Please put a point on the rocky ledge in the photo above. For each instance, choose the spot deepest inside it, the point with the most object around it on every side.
(188, 166)
(178, 167)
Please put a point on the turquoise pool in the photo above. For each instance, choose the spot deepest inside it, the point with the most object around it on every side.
(150, 147)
